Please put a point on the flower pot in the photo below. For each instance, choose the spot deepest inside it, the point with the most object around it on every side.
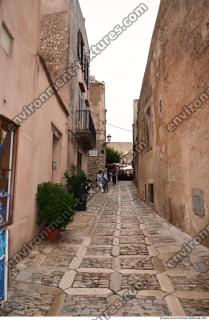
(53, 235)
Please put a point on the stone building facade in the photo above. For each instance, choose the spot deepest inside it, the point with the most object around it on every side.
(122, 147)
(126, 150)
(64, 46)
(33, 121)
(135, 138)
(97, 156)
(173, 136)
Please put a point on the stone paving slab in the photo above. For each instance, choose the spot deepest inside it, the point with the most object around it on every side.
(144, 307)
(102, 240)
(143, 263)
(91, 280)
(78, 305)
(195, 308)
(129, 280)
(134, 249)
(105, 263)
(67, 280)
(113, 258)
(99, 250)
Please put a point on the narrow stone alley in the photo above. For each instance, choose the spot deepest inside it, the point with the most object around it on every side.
(117, 243)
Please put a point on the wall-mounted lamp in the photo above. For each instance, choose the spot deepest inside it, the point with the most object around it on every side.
(109, 137)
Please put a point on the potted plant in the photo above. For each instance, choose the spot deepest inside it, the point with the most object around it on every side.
(55, 207)
(76, 184)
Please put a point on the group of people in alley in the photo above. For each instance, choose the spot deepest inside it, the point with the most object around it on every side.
(104, 177)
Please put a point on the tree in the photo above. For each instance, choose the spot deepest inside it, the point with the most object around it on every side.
(113, 156)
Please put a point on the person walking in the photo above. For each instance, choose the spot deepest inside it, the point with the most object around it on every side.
(99, 180)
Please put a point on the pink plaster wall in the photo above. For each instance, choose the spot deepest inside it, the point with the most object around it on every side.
(22, 79)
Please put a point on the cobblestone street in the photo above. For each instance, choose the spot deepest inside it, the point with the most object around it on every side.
(117, 243)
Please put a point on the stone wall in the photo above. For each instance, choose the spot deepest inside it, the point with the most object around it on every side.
(54, 40)
(176, 158)
(61, 20)
(98, 111)
(96, 163)
(77, 22)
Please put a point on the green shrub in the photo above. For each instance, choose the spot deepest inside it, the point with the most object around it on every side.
(113, 156)
(55, 206)
(74, 181)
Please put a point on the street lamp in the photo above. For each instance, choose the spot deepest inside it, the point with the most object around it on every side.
(109, 137)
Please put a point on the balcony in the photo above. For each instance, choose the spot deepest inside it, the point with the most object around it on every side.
(85, 129)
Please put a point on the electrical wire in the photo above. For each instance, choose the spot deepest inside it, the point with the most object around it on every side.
(111, 125)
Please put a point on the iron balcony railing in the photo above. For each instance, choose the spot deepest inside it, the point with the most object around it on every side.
(85, 124)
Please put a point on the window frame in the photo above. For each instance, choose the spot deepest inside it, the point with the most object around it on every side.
(81, 49)
(12, 165)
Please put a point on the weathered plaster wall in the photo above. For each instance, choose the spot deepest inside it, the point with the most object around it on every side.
(60, 23)
(22, 79)
(176, 74)
(77, 22)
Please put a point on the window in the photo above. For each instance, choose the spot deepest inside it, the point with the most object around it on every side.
(84, 61)
(148, 119)
(6, 39)
(82, 105)
(79, 161)
(81, 53)
(86, 72)
(7, 159)
(161, 106)
(151, 192)
(56, 153)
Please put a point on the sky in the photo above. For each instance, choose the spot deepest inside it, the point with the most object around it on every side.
(122, 64)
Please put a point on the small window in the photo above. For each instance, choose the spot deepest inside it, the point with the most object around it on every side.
(6, 39)
(161, 106)
(151, 192)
